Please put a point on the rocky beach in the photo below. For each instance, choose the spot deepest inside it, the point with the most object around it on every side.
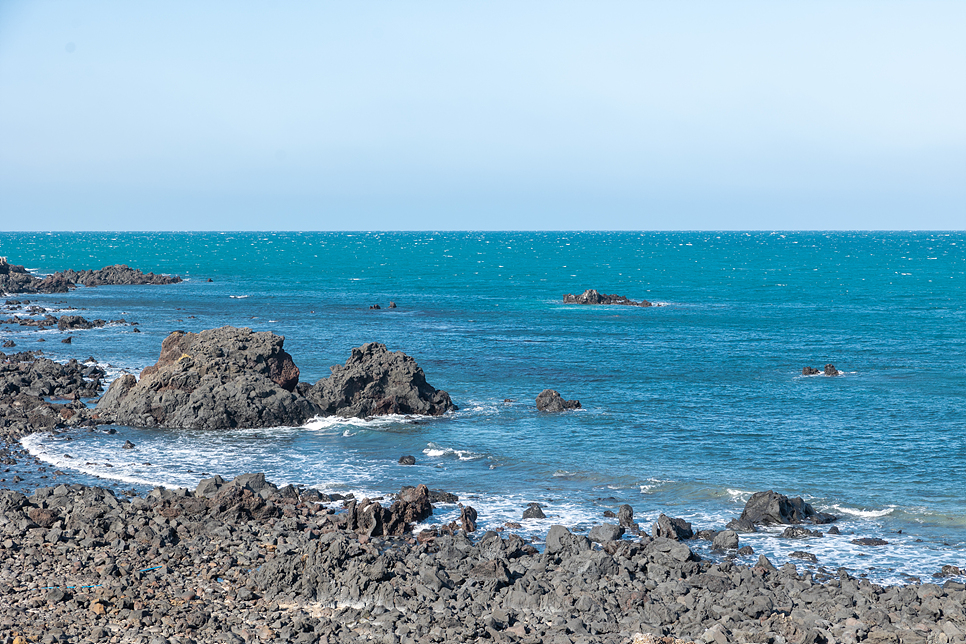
(245, 560)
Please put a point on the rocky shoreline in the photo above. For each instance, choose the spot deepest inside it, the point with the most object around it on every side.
(246, 561)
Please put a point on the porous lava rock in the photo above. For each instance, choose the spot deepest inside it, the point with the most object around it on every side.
(375, 381)
(216, 379)
(551, 400)
(591, 296)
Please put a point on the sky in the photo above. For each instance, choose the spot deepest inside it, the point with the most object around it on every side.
(675, 115)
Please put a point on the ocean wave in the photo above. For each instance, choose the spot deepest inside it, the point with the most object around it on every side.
(437, 451)
(338, 422)
(238, 297)
(865, 514)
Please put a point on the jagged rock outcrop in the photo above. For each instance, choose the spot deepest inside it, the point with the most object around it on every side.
(14, 278)
(771, 508)
(216, 379)
(117, 274)
(235, 377)
(551, 400)
(591, 296)
(375, 381)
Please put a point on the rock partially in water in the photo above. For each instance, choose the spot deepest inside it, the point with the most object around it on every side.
(591, 296)
(672, 528)
(375, 381)
(771, 508)
(117, 274)
(216, 379)
(550, 400)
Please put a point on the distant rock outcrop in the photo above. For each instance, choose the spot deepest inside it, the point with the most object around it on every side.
(117, 274)
(591, 296)
(375, 381)
(14, 278)
(551, 400)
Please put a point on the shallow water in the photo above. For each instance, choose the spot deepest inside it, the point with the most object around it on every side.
(688, 407)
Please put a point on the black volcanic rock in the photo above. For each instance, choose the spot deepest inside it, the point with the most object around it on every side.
(551, 400)
(375, 381)
(117, 274)
(771, 508)
(591, 296)
(217, 379)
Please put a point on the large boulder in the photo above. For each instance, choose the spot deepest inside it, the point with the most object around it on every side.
(591, 296)
(216, 379)
(771, 508)
(551, 400)
(375, 381)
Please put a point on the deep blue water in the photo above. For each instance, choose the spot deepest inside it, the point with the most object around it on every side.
(688, 407)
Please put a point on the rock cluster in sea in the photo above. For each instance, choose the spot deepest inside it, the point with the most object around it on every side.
(246, 561)
(14, 278)
(550, 400)
(591, 296)
(235, 377)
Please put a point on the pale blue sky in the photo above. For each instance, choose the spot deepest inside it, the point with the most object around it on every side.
(482, 115)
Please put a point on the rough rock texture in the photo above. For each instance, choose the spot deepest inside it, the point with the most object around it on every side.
(771, 508)
(15, 278)
(216, 379)
(591, 296)
(671, 528)
(117, 274)
(551, 400)
(830, 370)
(36, 376)
(375, 381)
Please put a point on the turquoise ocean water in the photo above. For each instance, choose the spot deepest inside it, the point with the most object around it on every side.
(688, 407)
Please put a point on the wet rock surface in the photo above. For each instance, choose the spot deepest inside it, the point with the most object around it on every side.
(591, 296)
(550, 400)
(771, 508)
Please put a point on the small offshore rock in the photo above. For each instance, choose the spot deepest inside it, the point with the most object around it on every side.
(127, 445)
(770, 508)
(869, 541)
(798, 532)
(551, 401)
(468, 518)
(591, 296)
(407, 460)
(534, 511)
(746, 551)
(810, 371)
(805, 556)
(830, 370)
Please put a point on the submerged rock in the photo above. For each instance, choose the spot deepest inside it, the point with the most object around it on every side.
(375, 381)
(551, 400)
(591, 296)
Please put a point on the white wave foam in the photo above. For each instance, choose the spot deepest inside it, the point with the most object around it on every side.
(437, 451)
(238, 297)
(652, 484)
(865, 514)
(374, 422)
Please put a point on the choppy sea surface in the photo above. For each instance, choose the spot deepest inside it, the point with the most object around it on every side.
(688, 408)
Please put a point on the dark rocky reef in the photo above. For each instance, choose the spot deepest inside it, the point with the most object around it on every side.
(15, 278)
(550, 400)
(771, 508)
(591, 296)
(36, 376)
(116, 275)
(375, 381)
(830, 370)
(235, 377)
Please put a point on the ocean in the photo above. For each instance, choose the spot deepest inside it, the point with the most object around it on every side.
(688, 407)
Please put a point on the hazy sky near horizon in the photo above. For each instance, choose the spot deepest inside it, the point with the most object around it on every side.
(482, 115)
